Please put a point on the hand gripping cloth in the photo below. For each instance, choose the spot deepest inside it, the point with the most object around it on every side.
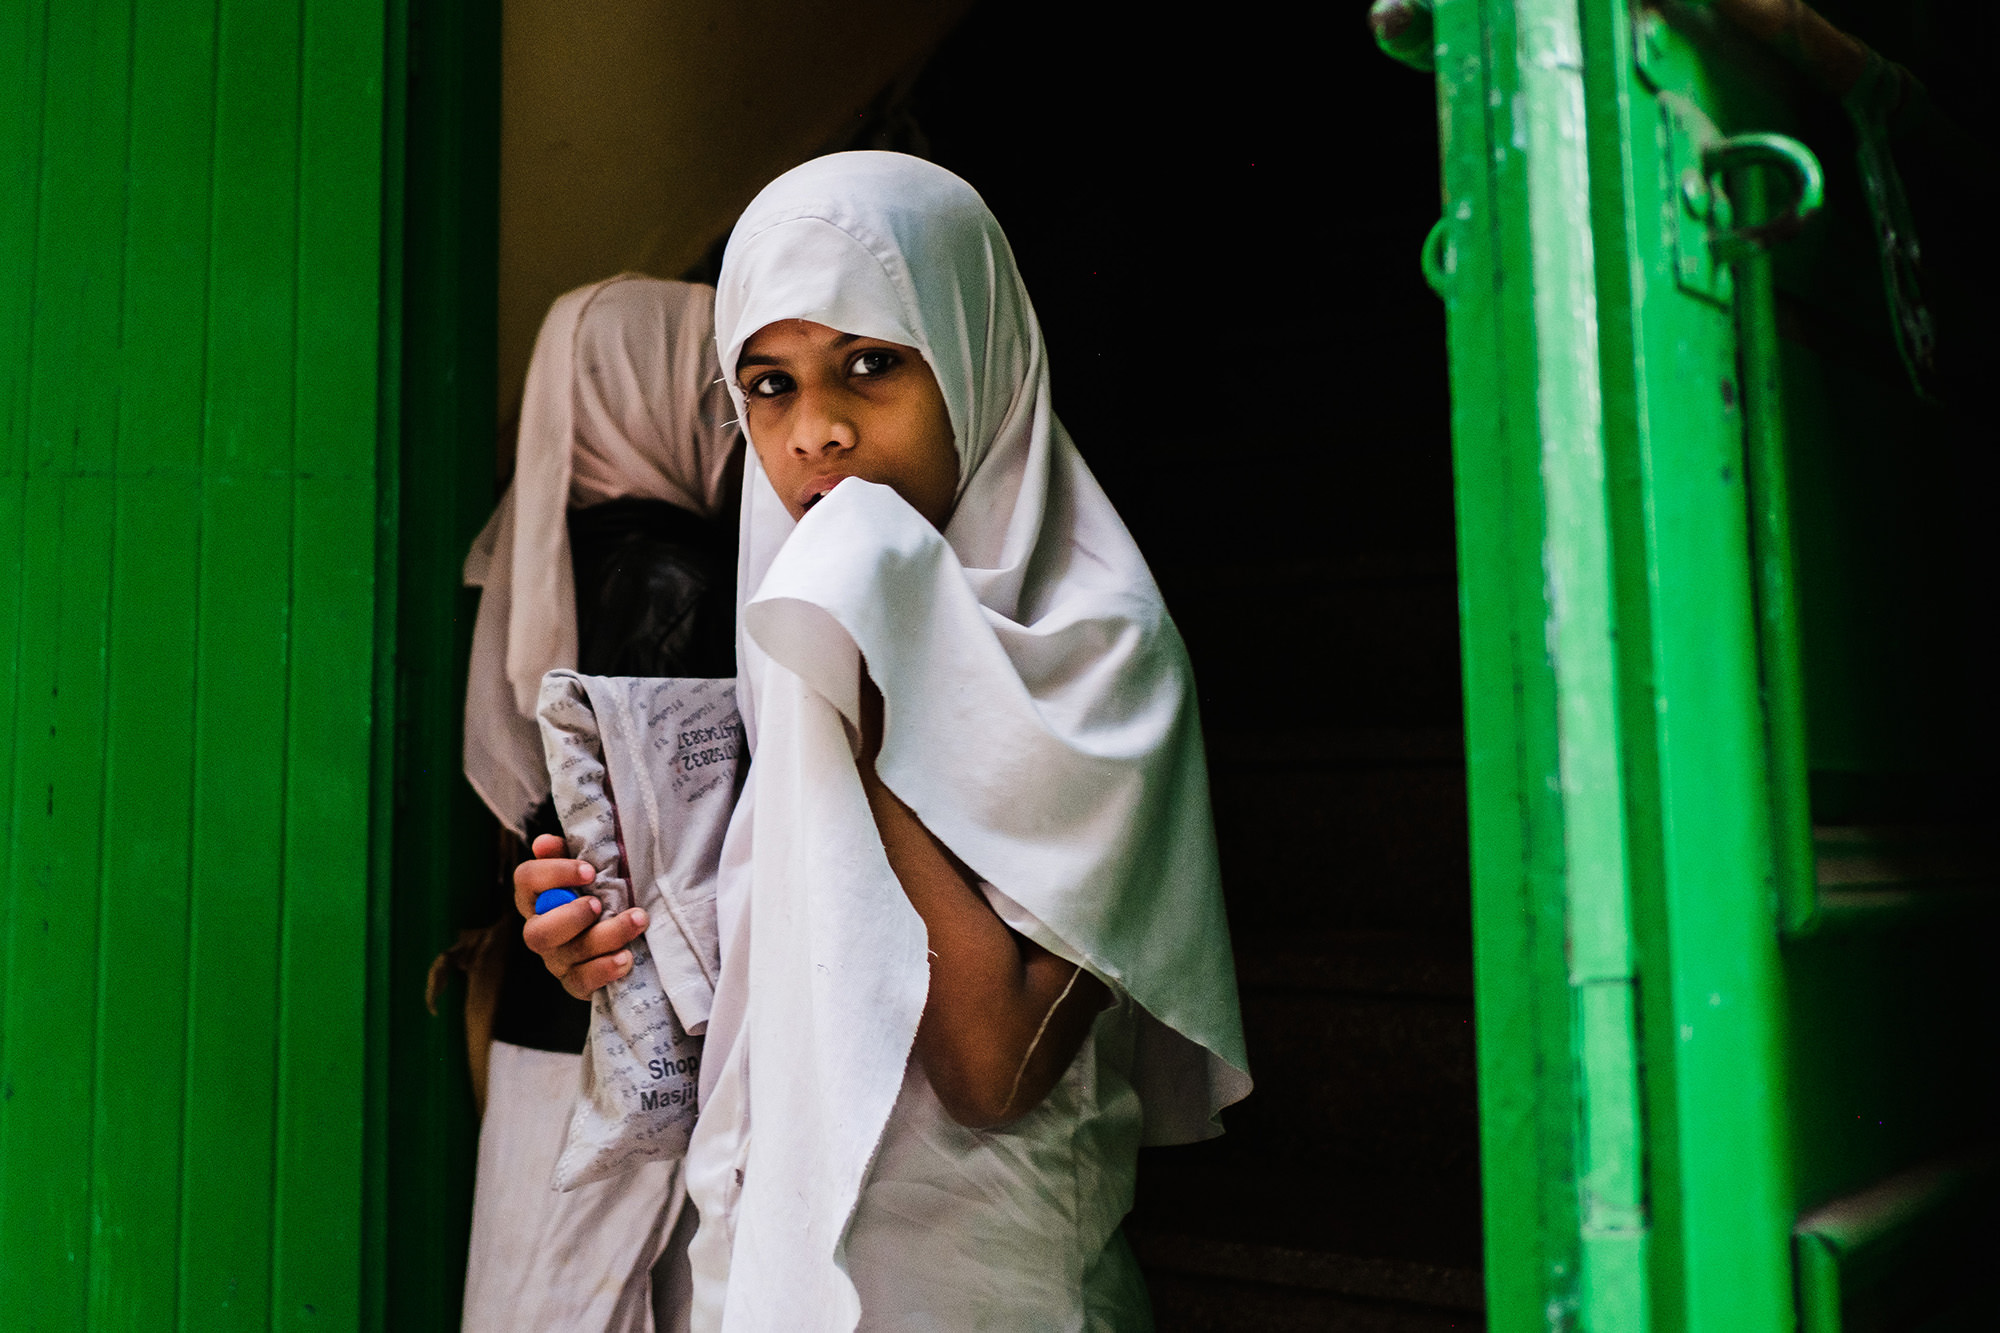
(644, 773)
(1039, 717)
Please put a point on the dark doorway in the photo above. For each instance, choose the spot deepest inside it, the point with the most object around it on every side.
(1220, 225)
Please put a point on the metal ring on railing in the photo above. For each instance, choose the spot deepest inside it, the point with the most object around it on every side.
(1437, 259)
(1776, 150)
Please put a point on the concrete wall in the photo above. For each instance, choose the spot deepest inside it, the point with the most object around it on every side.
(634, 131)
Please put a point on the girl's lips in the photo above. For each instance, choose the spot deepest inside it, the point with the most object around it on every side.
(816, 489)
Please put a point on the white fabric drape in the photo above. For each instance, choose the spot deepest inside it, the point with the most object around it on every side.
(1039, 718)
(623, 400)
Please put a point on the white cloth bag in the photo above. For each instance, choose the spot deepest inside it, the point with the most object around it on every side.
(644, 774)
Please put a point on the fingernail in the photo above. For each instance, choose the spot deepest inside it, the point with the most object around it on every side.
(596, 905)
(587, 870)
(624, 963)
(639, 917)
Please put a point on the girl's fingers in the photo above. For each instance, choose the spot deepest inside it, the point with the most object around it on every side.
(585, 952)
(559, 872)
(598, 972)
(533, 878)
(600, 941)
(559, 926)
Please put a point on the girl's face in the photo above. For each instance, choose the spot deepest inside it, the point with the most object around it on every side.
(825, 405)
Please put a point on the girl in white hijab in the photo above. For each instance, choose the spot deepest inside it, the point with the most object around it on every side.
(973, 943)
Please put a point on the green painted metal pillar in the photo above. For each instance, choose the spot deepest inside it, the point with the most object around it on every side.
(1529, 1072)
(1629, 999)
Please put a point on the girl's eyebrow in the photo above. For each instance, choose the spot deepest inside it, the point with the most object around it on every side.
(759, 359)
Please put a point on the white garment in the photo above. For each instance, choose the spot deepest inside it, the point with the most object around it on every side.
(1039, 717)
(937, 1241)
(623, 399)
(580, 1261)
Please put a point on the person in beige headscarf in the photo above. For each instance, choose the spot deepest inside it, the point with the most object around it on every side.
(624, 406)
(613, 553)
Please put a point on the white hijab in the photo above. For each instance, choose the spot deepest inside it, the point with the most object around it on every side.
(623, 400)
(1039, 717)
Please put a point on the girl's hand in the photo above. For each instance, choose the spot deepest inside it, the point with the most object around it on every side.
(583, 952)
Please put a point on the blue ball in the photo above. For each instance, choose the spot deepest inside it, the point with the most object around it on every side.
(550, 899)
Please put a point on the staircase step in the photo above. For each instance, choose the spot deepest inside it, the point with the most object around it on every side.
(1361, 1136)
(1201, 1284)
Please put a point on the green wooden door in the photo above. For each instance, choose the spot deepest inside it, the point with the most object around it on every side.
(191, 367)
(227, 778)
(1733, 1058)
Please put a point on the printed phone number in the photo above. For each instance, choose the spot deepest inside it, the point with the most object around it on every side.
(714, 754)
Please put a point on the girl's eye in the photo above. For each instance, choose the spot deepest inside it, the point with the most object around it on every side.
(874, 361)
(770, 385)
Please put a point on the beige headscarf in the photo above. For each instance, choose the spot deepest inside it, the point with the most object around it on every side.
(624, 400)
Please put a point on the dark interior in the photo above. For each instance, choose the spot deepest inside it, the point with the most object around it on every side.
(1219, 222)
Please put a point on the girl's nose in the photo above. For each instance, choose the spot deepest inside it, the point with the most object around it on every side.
(821, 428)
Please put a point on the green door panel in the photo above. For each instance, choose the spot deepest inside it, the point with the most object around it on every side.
(203, 967)
(1712, 970)
(191, 380)
(1719, 715)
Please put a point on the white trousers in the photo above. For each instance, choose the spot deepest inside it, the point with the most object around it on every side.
(581, 1261)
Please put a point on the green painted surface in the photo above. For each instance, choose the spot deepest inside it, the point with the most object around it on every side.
(443, 845)
(1702, 572)
(1526, 1066)
(205, 972)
